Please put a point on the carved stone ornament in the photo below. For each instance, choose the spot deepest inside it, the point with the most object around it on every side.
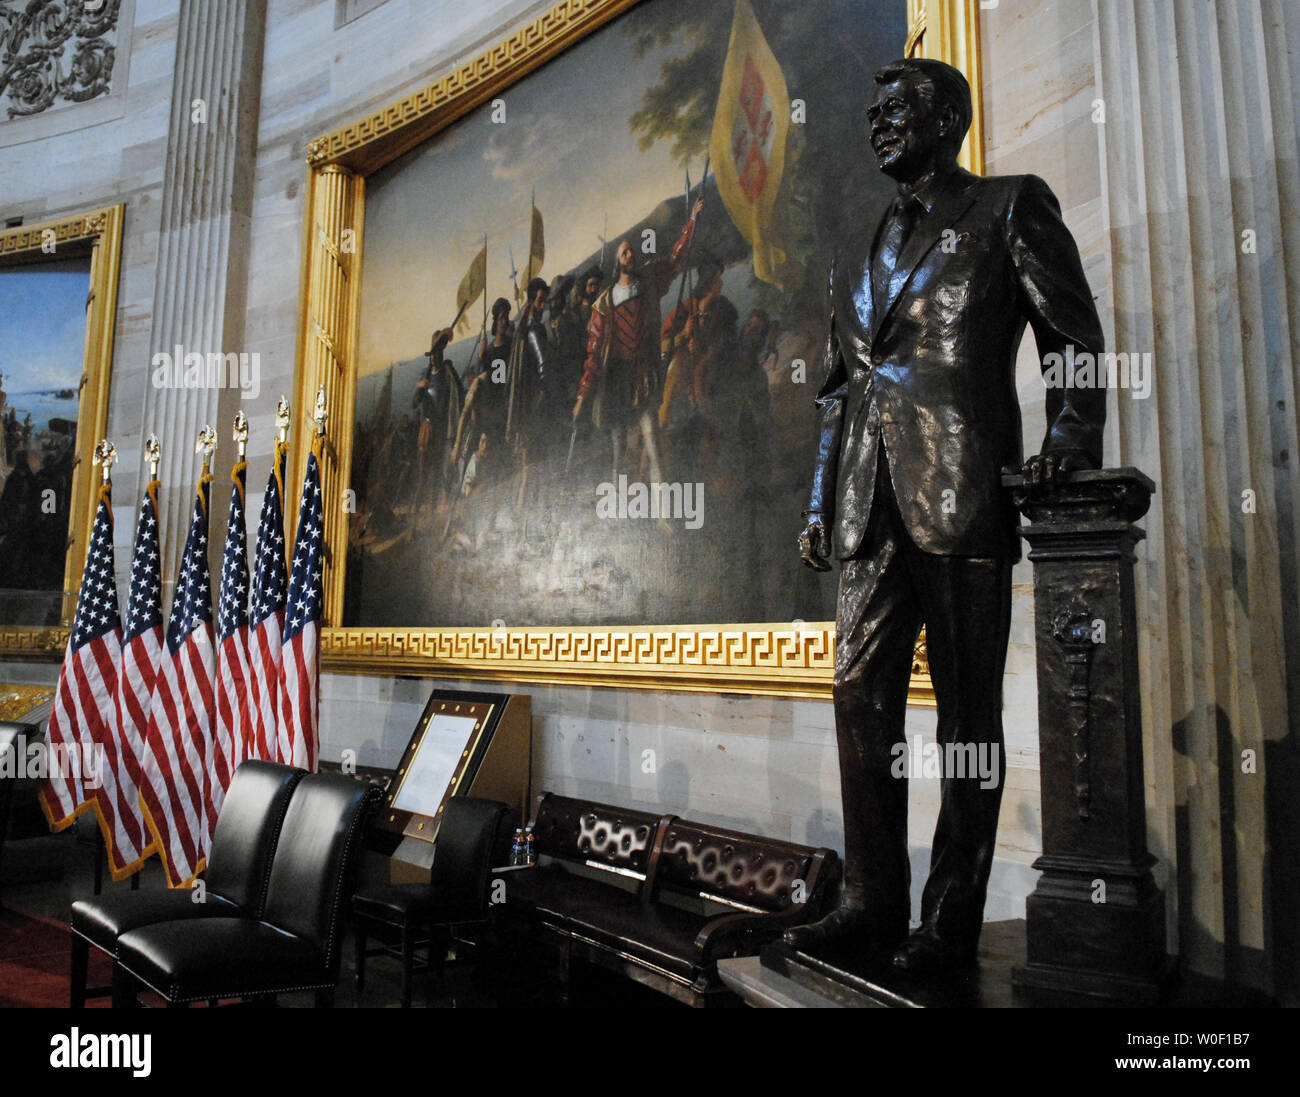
(55, 51)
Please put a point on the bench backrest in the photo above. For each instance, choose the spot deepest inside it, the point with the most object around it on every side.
(608, 837)
(742, 870)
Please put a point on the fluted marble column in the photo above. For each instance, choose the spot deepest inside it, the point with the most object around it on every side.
(201, 282)
(1199, 151)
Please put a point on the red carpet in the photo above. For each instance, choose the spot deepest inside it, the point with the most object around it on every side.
(34, 958)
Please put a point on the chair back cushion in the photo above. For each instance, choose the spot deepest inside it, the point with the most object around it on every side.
(462, 859)
(579, 830)
(12, 736)
(243, 845)
(311, 875)
(734, 867)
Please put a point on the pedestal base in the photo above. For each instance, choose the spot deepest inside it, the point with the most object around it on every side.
(1098, 929)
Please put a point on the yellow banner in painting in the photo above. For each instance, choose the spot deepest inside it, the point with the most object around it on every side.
(471, 286)
(747, 145)
(536, 248)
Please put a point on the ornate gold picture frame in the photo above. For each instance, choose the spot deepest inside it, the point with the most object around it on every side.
(793, 659)
(96, 233)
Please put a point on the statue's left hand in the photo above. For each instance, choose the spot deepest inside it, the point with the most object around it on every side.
(1045, 470)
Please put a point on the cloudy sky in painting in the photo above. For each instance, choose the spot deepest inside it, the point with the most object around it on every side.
(566, 135)
(42, 335)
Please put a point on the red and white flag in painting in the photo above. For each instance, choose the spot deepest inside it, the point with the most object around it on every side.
(300, 658)
(266, 619)
(179, 737)
(81, 717)
(229, 741)
(127, 836)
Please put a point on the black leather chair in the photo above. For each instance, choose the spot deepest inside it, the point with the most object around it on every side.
(13, 740)
(239, 865)
(295, 944)
(470, 838)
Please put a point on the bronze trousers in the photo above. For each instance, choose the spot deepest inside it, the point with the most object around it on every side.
(888, 589)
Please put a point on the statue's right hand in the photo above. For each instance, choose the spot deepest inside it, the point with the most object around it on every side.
(815, 544)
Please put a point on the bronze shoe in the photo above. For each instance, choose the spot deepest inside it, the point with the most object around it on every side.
(845, 925)
(923, 953)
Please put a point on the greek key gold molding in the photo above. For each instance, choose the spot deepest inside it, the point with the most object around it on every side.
(100, 230)
(17, 699)
(761, 659)
(382, 135)
(746, 658)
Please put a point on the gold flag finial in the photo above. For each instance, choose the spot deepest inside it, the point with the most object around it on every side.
(206, 445)
(105, 455)
(320, 414)
(282, 420)
(240, 434)
(152, 454)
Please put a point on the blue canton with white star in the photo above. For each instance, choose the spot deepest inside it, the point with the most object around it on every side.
(192, 602)
(270, 579)
(232, 606)
(144, 599)
(304, 601)
(97, 601)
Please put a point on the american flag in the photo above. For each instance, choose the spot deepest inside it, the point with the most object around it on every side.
(127, 836)
(266, 624)
(87, 680)
(179, 739)
(230, 737)
(300, 659)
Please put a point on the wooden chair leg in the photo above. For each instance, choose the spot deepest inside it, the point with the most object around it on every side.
(360, 930)
(408, 961)
(80, 965)
(123, 989)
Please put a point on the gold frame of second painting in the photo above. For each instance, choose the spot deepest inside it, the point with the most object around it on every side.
(791, 659)
(98, 234)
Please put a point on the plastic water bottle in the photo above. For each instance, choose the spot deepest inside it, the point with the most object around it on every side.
(517, 851)
(529, 847)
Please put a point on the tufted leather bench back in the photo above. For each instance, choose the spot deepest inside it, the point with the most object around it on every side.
(736, 868)
(579, 830)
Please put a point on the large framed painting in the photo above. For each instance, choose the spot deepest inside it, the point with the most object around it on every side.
(58, 298)
(567, 306)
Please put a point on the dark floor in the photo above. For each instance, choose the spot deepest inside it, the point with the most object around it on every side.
(42, 877)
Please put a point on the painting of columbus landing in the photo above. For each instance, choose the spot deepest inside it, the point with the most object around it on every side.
(591, 320)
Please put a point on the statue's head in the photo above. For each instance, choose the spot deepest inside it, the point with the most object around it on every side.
(919, 116)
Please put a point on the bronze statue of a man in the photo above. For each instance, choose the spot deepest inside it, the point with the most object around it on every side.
(918, 416)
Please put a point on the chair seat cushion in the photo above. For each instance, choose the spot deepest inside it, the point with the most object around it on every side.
(553, 890)
(221, 958)
(104, 919)
(399, 904)
(662, 936)
(659, 935)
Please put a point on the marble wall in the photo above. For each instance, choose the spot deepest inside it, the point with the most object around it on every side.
(748, 762)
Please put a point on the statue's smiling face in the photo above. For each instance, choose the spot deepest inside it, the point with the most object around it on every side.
(905, 128)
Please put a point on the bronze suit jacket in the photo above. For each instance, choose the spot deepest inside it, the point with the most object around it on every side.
(926, 366)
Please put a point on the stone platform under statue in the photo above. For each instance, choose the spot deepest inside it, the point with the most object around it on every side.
(785, 978)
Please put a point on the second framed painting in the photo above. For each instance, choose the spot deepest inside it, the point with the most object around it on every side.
(568, 307)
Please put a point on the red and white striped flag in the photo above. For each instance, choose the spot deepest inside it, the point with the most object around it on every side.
(126, 833)
(266, 618)
(179, 738)
(81, 717)
(300, 659)
(231, 733)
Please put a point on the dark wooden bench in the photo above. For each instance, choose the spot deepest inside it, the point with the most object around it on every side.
(657, 898)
